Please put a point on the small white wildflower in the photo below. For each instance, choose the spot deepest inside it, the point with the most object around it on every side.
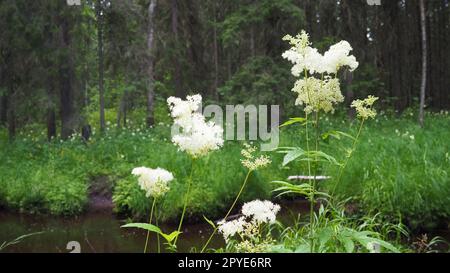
(338, 56)
(261, 211)
(364, 107)
(153, 181)
(250, 161)
(304, 57)
(230, 228)
(316, 94)
(198, 137)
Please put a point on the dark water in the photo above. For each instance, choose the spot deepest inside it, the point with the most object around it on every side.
(96, 232)
(100, 232)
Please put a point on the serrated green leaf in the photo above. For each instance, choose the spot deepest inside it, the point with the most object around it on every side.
(292, 155)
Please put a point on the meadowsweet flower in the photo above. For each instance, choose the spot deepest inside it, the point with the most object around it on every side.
(250, 161)
(198, 136)
(153, 181)
(182, 111)
(230, 228)
(316, 94)
(261, 211)
(248, 246)
(255, 213)
(364, 108)
(304, 57)
(338, 56)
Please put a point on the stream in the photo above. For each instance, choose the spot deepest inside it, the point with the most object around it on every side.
(99, 232)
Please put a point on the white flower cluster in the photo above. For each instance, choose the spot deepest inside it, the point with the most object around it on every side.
(261, 211)
(364, 107)
(198, 137)
(153, 181)
(304, 57)
(338, 56)
(230, 228)
(250, 161)
(318, 94)
(254, 213)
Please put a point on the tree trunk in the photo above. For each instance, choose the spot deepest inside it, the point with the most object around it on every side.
(11, 116)
(176, 61)
(216, 55)
(349, 94)
(51, 124)
(66, 71)
(51, 115)
(11, 123)
(100, 65)
(11, 113)
(121, 113)
(150, 62)
(3, 109)
(424, 62)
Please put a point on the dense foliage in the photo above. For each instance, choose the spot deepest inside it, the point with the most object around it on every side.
(405, 168)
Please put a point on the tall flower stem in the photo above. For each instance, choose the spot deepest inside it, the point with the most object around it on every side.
(150, 222)
(229, 210)
(186, 199)
(313, 189)
(311, 196)
(157, 235)
(342, 168)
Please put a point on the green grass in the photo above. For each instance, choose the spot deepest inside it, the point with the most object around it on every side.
(402, 170)
(54, 177)
(398, 168)
(390, 172)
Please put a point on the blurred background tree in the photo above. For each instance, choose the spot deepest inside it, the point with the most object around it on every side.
(67, 66)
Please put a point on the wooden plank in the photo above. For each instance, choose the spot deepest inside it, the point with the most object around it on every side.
(308, 177)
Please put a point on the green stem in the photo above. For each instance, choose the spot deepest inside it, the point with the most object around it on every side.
(186, 199)
(342, 168)
(229, 210)
(150, 222)
(311, 217)
(313, 189)
(157, 235)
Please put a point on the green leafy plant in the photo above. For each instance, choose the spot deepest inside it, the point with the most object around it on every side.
(319, 95)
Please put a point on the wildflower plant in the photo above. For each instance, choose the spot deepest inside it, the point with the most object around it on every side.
(155, 183)
(318, 92)
(251, 162)
(246, 233)
(197, 137)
